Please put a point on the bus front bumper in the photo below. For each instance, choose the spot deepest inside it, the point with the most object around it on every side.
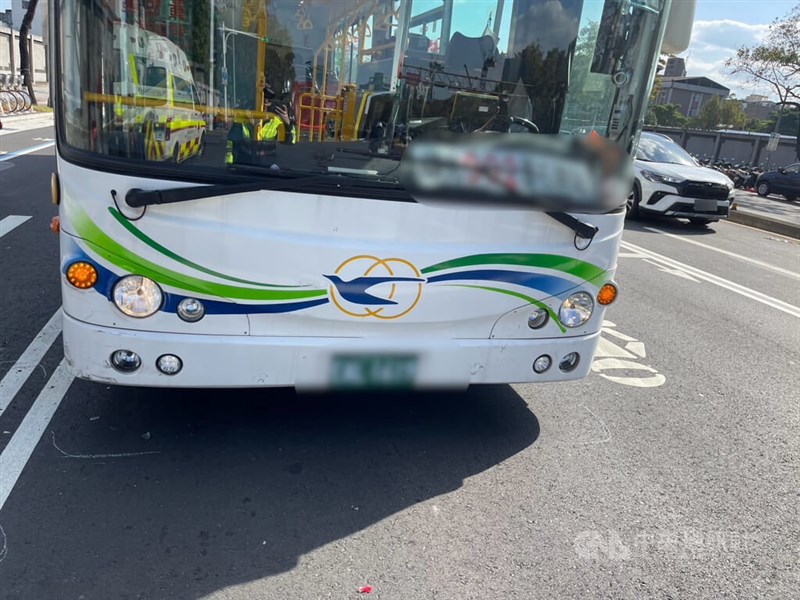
(317, 363)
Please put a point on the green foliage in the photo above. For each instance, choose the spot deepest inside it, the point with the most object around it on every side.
(720, 114)
(668, 115)
(201, 24)
(787, 125)
(776, 61)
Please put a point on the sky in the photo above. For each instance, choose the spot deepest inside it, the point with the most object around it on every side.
(720, 27)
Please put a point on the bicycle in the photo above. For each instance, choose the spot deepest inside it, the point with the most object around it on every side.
(8, 101)
(22, 93)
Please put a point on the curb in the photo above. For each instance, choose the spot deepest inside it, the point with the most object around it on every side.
(744, 217)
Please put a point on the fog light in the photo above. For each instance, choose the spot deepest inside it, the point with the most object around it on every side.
(126, 361)
(82, 275)
(169, 364)
(191, 310)
(569, 362)
(537, 318)
(541, 364)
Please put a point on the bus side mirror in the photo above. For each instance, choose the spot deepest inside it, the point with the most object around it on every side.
(678, 32)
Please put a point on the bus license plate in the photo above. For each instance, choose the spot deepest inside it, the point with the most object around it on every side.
(373, 371)
(705, 205)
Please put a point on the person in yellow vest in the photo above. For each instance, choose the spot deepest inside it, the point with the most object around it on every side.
(280, 126)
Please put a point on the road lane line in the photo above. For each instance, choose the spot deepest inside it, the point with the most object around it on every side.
(28, 361)
(24, 151)
(10, 223)
(15, 456)
(789, 309)
(752, 261)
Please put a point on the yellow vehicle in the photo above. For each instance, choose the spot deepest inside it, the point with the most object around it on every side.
(156, 97)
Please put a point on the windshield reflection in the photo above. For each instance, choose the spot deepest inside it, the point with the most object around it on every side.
(345, 86)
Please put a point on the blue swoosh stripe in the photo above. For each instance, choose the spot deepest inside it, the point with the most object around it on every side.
(106, 279)
(214, 307)
(548, 284)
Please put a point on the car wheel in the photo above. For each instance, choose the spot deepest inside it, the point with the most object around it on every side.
(697, 222)
(763, 189)
(632, 208)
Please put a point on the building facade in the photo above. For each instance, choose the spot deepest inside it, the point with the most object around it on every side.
(676, 67)
(758, 107)
(690, 93)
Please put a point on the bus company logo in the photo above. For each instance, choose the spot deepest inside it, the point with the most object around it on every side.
(368, 286)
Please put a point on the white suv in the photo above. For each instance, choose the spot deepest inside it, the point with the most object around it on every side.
(670, 183)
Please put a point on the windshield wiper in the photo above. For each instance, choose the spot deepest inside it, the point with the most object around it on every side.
(138, 198)
(585, 230)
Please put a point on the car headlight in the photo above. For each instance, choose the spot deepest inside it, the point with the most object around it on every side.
(660, 178)
(576, 309)
(137, 296)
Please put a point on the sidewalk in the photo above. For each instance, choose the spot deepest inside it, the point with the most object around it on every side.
(42, 91)
(773, 213)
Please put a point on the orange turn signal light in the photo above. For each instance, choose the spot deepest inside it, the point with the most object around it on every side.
(607, 294)
(82, 275)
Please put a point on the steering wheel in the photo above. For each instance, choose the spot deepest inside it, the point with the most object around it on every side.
(530, 126)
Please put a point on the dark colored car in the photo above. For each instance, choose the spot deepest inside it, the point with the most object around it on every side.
(785, 181)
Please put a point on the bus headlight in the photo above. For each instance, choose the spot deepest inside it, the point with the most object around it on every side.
(576, 309)
(137, 296)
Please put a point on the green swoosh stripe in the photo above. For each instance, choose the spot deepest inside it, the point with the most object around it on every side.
(533, 301)
(177, 257)
(573, 266)
(121, 257)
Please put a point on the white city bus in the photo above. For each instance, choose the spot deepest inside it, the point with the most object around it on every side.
(300, 249)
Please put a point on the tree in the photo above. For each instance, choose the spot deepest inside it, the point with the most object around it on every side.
(201, 24)
(718, 113)
(24, 55)
(775, 62)
(668, 115)
(785, 124)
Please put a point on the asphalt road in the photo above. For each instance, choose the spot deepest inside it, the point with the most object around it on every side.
(670, 472)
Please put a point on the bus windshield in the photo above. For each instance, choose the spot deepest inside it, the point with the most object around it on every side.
(314, 86)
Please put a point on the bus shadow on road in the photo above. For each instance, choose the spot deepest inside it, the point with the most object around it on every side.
(240, 484)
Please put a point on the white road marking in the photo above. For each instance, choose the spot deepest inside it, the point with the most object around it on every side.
(10, 223)
(676, 272)
(746, 259)
(24, 151)
(637, 348)
(780, 305)
(611, 357)
(24, 441)
(28, 361)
